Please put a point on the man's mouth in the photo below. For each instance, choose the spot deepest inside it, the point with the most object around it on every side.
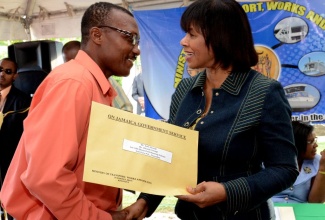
(132, 59)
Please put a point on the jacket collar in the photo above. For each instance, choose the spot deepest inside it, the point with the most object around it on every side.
(232, 84)
(11, 99)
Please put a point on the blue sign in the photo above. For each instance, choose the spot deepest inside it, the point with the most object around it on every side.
(289, 39)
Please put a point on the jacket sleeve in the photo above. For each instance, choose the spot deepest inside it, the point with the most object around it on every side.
(153, 202)
(279, 155)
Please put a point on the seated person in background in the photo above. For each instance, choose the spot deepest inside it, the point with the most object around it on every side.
(310, 184)
(121, 101)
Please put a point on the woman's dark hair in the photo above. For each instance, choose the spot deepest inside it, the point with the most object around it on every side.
(301, 132)
(225, 27)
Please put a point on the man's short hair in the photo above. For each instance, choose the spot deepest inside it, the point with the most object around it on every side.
(97, 14)
(74, 44)
(13, 61)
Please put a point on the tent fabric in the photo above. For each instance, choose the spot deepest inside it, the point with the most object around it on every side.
(44, 19)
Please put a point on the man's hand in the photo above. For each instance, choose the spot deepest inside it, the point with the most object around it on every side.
(118, 215)
(322, 161)
(141, 101)
(136, 211)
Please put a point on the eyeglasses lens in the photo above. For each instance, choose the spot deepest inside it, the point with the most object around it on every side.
(133, 37)
(6, 71)
(314, 141)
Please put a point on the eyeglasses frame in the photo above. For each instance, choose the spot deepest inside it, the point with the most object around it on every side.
(312, 142)
(134, 37)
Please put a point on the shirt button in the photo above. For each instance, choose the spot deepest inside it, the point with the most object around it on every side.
(199, 111)
(202, 122)
(186, 124)
(291, 188)
(286, 198)
(212, 112)
(217, 93)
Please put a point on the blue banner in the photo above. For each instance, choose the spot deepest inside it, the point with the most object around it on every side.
(288, 36)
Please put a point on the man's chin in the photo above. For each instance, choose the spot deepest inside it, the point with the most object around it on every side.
(123, 74)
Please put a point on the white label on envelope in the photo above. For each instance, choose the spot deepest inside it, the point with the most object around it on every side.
(147, 150)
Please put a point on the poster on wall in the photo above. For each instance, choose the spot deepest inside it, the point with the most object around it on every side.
(289, 39)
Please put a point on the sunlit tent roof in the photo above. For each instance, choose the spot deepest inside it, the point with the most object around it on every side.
(43, 19)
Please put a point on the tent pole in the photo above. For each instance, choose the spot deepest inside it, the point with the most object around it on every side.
(26, 21)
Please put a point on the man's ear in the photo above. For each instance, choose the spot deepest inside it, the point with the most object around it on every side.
(96, 35)
(15, 75)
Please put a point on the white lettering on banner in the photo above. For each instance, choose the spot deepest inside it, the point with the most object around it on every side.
(308, 118)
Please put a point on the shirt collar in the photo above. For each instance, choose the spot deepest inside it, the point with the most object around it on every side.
(5, 92)
(233, 83)
(84, 59)
(308, 170)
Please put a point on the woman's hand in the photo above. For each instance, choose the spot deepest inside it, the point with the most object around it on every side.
(322, 161)
(205, 194)
(317, 191)
(137, 210)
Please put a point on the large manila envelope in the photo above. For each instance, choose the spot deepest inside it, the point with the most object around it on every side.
(133, 152)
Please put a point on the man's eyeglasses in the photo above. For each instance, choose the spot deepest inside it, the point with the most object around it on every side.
(6, 71)
(133, 37)
(312, 142)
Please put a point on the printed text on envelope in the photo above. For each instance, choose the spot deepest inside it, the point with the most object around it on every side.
(147, 150)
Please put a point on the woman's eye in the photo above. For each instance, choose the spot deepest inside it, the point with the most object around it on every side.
(191, 35)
